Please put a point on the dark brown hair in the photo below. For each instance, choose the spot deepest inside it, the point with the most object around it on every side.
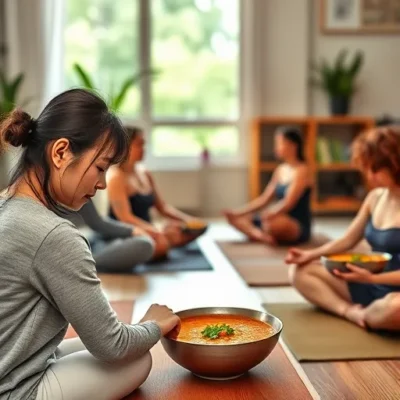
(133, 132)
(293, 135)
(78, 115)
(378, 149)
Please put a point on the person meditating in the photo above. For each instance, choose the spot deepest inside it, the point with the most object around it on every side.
(369, 300)
(48, 275)
(288, 221)
(133, 194)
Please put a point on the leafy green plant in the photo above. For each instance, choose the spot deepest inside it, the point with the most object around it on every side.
(9, 89)
(338, 79)
(116, 98)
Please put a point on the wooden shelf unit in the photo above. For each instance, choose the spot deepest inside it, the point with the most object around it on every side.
(262, 162)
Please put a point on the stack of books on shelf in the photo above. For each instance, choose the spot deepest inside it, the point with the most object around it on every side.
(332, 151)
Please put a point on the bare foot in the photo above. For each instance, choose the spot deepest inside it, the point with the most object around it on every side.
(356, 313)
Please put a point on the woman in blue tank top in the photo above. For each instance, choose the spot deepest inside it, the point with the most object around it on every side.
(288, 221)
(133, 194)
(369, 300)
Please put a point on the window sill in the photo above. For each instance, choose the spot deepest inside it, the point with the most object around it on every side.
(174, 164)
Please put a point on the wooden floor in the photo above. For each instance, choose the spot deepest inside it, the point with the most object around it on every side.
(182, 290)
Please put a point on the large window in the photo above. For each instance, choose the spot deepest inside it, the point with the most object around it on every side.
(193, 100)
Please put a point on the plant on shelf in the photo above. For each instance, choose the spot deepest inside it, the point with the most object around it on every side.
(338, 79)
(9, 90)
(115, 97)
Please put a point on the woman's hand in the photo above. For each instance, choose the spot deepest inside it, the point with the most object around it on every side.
(299, 256)
(228, 213)
(136, 231)
(153, 232)
(356, 274)
(164, 318)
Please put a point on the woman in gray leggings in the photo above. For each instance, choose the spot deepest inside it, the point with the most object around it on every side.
(116, 247)
(48, 275)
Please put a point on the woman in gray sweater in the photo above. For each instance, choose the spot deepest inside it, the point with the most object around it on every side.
(48, 275)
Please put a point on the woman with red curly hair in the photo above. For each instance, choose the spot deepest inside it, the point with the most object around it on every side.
(369, 300)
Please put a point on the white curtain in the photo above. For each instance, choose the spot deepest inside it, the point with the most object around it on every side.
(34, 30)
(35, 47)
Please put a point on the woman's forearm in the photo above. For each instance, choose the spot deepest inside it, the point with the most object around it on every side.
(254, 206)
(173, 213)
(106, 227)
(386, 278)
(335, 246)
(136, 221)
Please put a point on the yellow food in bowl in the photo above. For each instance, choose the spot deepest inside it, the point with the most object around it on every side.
(224, 329)
(194, 224)
(364, 258)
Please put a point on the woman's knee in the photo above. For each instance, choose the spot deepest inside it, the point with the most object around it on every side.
(145, 364)
(392, 304)
(144, 248)
(138, 370)
(298, 274)
(283, 228)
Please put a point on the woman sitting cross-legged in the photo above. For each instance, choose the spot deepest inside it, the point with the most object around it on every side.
(369, 300)
(48, 275)
(132, 193)
(116, 247)
(289, 220)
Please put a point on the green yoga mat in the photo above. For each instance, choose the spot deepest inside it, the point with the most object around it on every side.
(313, 335)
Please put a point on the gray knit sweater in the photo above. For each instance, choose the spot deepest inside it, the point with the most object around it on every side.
(47, 279)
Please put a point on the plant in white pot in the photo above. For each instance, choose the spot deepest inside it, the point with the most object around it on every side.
(338, 80)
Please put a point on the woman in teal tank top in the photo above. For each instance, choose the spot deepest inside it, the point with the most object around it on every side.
(369, 300)
(288, 221)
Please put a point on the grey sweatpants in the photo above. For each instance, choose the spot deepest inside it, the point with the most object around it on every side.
(122, 254)
(77, 375)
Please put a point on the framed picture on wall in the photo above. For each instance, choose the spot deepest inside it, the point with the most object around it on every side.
(359, 16)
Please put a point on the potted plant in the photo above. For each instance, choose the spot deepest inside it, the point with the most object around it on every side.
(9, 90)
(117, 97)
(338, 80)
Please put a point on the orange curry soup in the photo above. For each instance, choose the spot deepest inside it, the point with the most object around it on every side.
(245, 329)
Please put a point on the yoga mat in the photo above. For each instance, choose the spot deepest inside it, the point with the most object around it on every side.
(275, 378)
(314, 335)
(124, 310)
(261, 265)
(187, 258)
(353, 380)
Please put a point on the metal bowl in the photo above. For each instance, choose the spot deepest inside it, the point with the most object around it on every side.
(194, 230)
(222, 362)
(372, 266)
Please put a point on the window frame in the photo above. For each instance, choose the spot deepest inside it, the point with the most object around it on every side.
(147, 121)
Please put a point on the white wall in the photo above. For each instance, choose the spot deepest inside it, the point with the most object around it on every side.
(379, 81)
(283, 36)
(285, 49)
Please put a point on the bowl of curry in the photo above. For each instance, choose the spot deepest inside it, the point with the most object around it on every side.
(372, 261)
(222, 342)
(194, 227)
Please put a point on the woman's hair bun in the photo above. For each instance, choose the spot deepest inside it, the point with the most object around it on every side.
(16, 129)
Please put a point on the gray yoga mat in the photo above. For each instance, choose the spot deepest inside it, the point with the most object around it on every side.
(187, 258)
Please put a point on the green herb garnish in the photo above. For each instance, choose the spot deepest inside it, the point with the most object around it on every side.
(216, 331)
(356, 257)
